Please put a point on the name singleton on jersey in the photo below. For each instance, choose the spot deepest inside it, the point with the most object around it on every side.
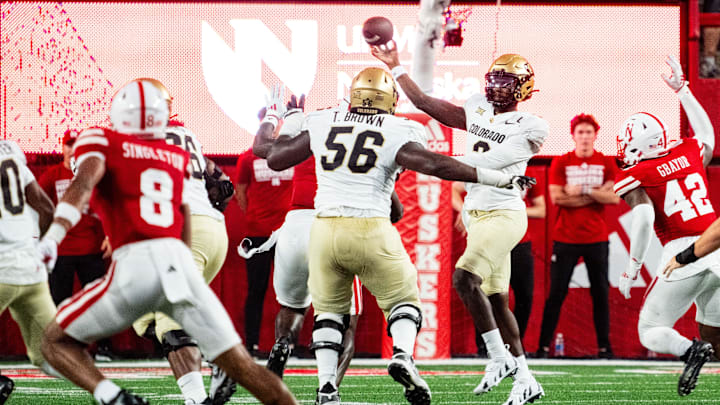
(136, 151)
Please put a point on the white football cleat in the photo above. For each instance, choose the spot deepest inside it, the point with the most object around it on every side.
(495, 372)
(402, 370)
(525, 390)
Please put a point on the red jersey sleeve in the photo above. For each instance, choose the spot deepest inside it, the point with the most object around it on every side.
(90, 142)
(557, 171)
(244, 168)
(626, 180)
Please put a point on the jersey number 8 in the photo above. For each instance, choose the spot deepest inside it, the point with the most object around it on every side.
(156, 200)
(355, 163)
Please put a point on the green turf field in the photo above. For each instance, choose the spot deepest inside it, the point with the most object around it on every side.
(451, 384)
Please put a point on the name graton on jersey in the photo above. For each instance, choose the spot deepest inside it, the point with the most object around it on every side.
(374, 119)
(673, 166)
(486, 133)
(135, 151)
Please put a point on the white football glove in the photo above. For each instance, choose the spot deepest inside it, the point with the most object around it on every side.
(676, 81)
(275, 104)
(627, 279)
(48, 250)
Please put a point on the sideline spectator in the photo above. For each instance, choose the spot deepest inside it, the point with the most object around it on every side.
(264, 195)
(711, 38)
(84, 249)
(581, 183)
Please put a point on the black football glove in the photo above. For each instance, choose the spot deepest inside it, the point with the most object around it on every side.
(522, 182)
(219, 191)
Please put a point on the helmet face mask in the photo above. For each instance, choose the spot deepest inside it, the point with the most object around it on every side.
(373, 91)
(509, 80)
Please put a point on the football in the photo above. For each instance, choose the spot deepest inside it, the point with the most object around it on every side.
(377, 30)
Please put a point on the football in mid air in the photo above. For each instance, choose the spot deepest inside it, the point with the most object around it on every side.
(377, 30)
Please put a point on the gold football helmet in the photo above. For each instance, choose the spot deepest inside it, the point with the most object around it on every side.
(373, 91)
(163, 90)
(512, 70)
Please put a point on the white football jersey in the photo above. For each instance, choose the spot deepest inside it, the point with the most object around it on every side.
(194, 192)
(502, 142)
(19, 261)
(355, 160)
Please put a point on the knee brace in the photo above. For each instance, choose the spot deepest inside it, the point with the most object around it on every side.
(175, 340)
(328, 332)
(404, 311)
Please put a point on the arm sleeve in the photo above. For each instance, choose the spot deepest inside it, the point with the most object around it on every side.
(517, 149)
(698, 118)
(641, 232)
(90, 142)
(556, 173)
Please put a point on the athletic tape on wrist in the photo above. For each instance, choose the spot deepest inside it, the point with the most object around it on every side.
(56, 232)
(271, 117)
(398, 71)
(687, 256)
(68, 212)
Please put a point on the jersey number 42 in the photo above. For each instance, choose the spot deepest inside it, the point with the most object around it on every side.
(676, 200)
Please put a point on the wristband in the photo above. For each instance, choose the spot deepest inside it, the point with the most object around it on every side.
(271, 118)
(398, 71)
(56, 232)
(687, 256)
(68, 212)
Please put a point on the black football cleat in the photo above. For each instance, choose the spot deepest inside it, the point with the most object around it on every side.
(402, 370)
(695, 357)
(327, 395)
(6, 388)
(222, 387)
(278, 357)
(126, 398)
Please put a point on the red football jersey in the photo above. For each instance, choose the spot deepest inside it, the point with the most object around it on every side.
(677, 185)
(304, 185)
(139, 196)
(87, 236)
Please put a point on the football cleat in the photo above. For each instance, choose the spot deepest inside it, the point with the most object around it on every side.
(327, 395)
(695, 357)
(278, 357)
(525, 391)
(222, 387)
(126, 398)
(402, 369)
(6, 388)
(495, 372)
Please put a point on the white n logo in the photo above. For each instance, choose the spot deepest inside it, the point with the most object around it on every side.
(234, 77)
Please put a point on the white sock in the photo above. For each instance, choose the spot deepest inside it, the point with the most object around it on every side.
(404, 330)
(494, 344)
(327, 359)
(523, 370)
(192, 387)
(106, 391)
(662, 339)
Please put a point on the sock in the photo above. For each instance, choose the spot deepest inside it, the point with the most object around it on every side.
(404, 330)
(494, 344)
(662, 339)
(327, 359)
(106, 391)
(192, 387)
(523, 370)
(709, 60)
